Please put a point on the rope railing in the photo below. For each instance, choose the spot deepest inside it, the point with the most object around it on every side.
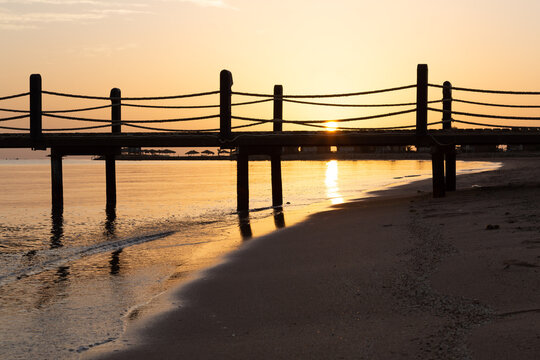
(132, 121)
(340, 128)
(448, 112)
(357, 105)
(192, 106)
(15, 117)
(489, 125)
(14, 96)
(503, 92)
(327, 95)
(496, 105)
(116, 102)
(89, 97)
(14, 128)
(491, 116)
(301, 122)
(16, 111)
(77, 110)
(187, 130)
(80, 128)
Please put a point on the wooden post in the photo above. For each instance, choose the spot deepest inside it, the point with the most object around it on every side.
(110, 163)
(278, 108)
(277, 186)
(242, 180)
(437, 163)
(110, 178)
(245, 226)
(35, 110)
(57, 229)
(225, 94)
(450, 153)
(116, 111)
(421, 99)
(57, 188)
(447, 106)
(275, 156)
(279, 218)
(110, 223)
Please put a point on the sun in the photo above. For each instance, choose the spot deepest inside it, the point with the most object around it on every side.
(331, 126)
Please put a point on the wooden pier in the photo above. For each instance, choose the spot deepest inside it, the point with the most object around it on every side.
(442, 141)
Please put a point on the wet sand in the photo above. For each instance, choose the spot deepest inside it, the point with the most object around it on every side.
(400, 276)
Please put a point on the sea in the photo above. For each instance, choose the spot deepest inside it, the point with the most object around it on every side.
(73, 280)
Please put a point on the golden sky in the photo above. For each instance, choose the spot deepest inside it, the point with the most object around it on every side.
(166, 47)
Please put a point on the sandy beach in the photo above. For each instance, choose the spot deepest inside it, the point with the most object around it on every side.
(399, 276)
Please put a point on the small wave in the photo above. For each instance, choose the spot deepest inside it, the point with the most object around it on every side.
(78, 253)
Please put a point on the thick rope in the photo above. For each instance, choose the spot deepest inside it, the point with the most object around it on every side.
(16, 111)
(328, 95)
(327, 121)
(339, 128)
(130, 98)
(357, 105)
(490, 116)
(251, 102)
(15, 117)
(14, 128)
(77, 110)
(498, 105)
(170, 106)
(483, 124)
(132, 121)
(180, 130)
(489, 91)
(14, 96)
(345, 105)
(80, 128)
(192, 106)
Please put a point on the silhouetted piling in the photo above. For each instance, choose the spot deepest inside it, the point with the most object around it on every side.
(277, 186)
(421, 99)
(36, 111)
(57, 187)
(275, 155)
(450, 151)
(110, 161)
(242, 179)
(437, 163)
(225, 94)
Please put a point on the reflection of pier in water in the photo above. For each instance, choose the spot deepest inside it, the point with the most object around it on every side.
(244, 222)
(57, 236)
(331, 182)
(57, 228)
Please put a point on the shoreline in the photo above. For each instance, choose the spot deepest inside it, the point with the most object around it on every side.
(208, 291)
(328, 156)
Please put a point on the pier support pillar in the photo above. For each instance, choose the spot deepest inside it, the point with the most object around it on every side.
(277, 186)
(57, 185)
(110, 179)
(437, 163)
(450, 150)
(242, 180)
(450, 163)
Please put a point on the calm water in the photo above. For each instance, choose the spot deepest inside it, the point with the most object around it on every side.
(71, 281)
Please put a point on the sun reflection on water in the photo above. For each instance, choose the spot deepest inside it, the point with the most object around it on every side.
(331, 182)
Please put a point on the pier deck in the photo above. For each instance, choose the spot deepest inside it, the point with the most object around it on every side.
(97, 141)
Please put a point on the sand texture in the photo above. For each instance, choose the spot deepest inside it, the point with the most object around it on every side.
(401, 276)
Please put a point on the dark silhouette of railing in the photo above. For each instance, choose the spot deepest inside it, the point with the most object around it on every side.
(420, 133)
(36, 114)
